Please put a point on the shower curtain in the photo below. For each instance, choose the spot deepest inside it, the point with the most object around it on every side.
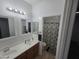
(50, 32)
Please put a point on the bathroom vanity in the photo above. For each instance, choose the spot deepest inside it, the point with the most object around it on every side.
(30, 53)
(18, 38)
(24, 50)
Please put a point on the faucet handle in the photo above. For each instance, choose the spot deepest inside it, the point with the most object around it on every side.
(25, 41)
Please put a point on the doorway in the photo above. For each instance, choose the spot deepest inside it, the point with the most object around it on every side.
(50, 37)
(74, 44)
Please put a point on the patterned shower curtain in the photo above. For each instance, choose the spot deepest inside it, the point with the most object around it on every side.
(50, 32)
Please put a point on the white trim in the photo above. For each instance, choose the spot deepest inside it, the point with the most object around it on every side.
(68, 20)
(70, 28)
(64, 30)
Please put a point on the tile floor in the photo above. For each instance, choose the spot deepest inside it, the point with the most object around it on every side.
(46, 55)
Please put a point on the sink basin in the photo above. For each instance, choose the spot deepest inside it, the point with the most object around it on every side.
(10, 52)
(3, 57)
(6, 55)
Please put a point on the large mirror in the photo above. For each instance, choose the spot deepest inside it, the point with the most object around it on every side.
(12, 26)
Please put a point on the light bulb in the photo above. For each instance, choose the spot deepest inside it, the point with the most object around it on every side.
(15, 10)
(21, 12)
(10, 9)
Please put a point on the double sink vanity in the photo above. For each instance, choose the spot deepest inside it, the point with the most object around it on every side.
(28, 49)
(18, 38)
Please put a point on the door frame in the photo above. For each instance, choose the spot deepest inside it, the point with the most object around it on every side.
(66, 31)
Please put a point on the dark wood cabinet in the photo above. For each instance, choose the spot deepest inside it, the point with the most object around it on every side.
(22, 56)
(30, 53)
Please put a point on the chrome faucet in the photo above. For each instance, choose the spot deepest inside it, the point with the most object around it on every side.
(27, 41)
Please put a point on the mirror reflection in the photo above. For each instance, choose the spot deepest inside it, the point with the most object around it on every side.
(24, 28)
(35, 27)
(6, 27)
(11, 26)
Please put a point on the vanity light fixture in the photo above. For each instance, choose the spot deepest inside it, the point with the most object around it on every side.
(10, 9)
(21, 12)
(16, 11)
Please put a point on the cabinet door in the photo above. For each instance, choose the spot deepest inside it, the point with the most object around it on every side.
(30, 53)
(22, 56)
(33, 52)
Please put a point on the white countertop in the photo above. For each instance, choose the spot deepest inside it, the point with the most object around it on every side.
(19, 49)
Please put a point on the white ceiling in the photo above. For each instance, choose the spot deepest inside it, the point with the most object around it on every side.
(33, 2)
